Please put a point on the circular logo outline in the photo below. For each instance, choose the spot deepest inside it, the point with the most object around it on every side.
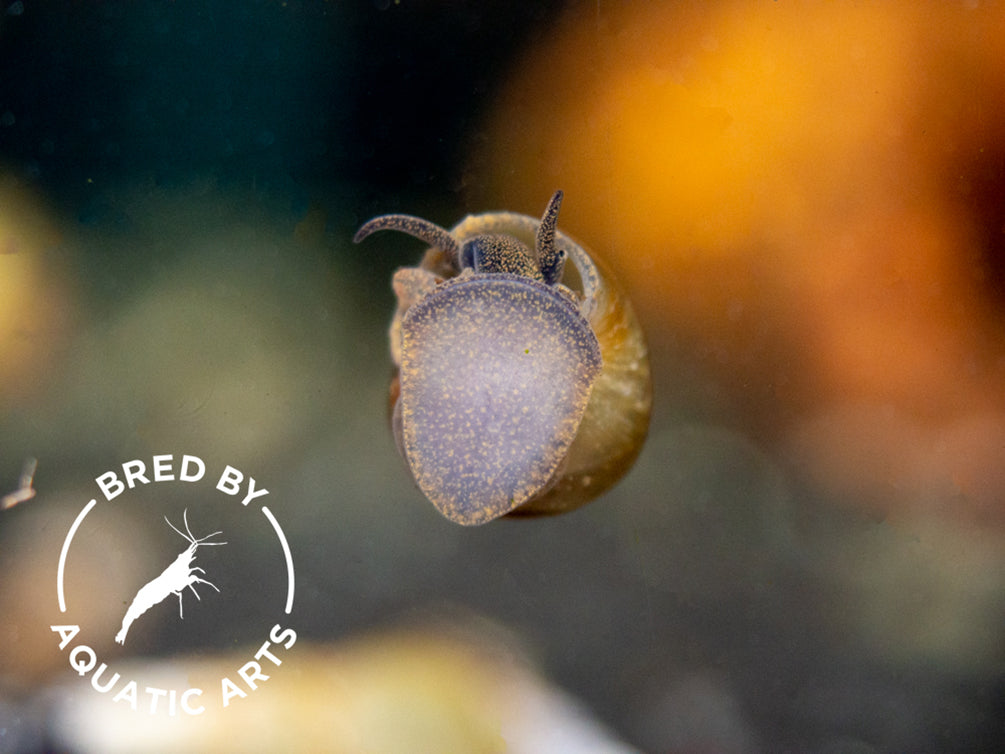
(175, 578)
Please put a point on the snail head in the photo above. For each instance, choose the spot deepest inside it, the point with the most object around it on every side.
(488, 253)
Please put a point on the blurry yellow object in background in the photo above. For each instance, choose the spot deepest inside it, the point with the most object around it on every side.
(411, 690)
(36, 302)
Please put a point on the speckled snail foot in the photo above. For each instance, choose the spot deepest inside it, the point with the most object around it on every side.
(523, 384)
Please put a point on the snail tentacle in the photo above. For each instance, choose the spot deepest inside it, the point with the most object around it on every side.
(550, 257)
(416, 227)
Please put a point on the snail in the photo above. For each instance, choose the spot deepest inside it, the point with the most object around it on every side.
(522, 384)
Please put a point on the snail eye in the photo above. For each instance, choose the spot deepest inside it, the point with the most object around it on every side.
(553, 267)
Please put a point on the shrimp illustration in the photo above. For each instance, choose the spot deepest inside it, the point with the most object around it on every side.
(173, 580)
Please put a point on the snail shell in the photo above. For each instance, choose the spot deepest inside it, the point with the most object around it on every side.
(523, 383)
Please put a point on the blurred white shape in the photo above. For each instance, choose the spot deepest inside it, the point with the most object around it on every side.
(426, 689)
(25, 490)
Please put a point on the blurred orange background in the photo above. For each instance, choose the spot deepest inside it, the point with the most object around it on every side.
(809, 200)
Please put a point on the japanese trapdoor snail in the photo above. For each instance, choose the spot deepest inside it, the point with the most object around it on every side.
(522, 385)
